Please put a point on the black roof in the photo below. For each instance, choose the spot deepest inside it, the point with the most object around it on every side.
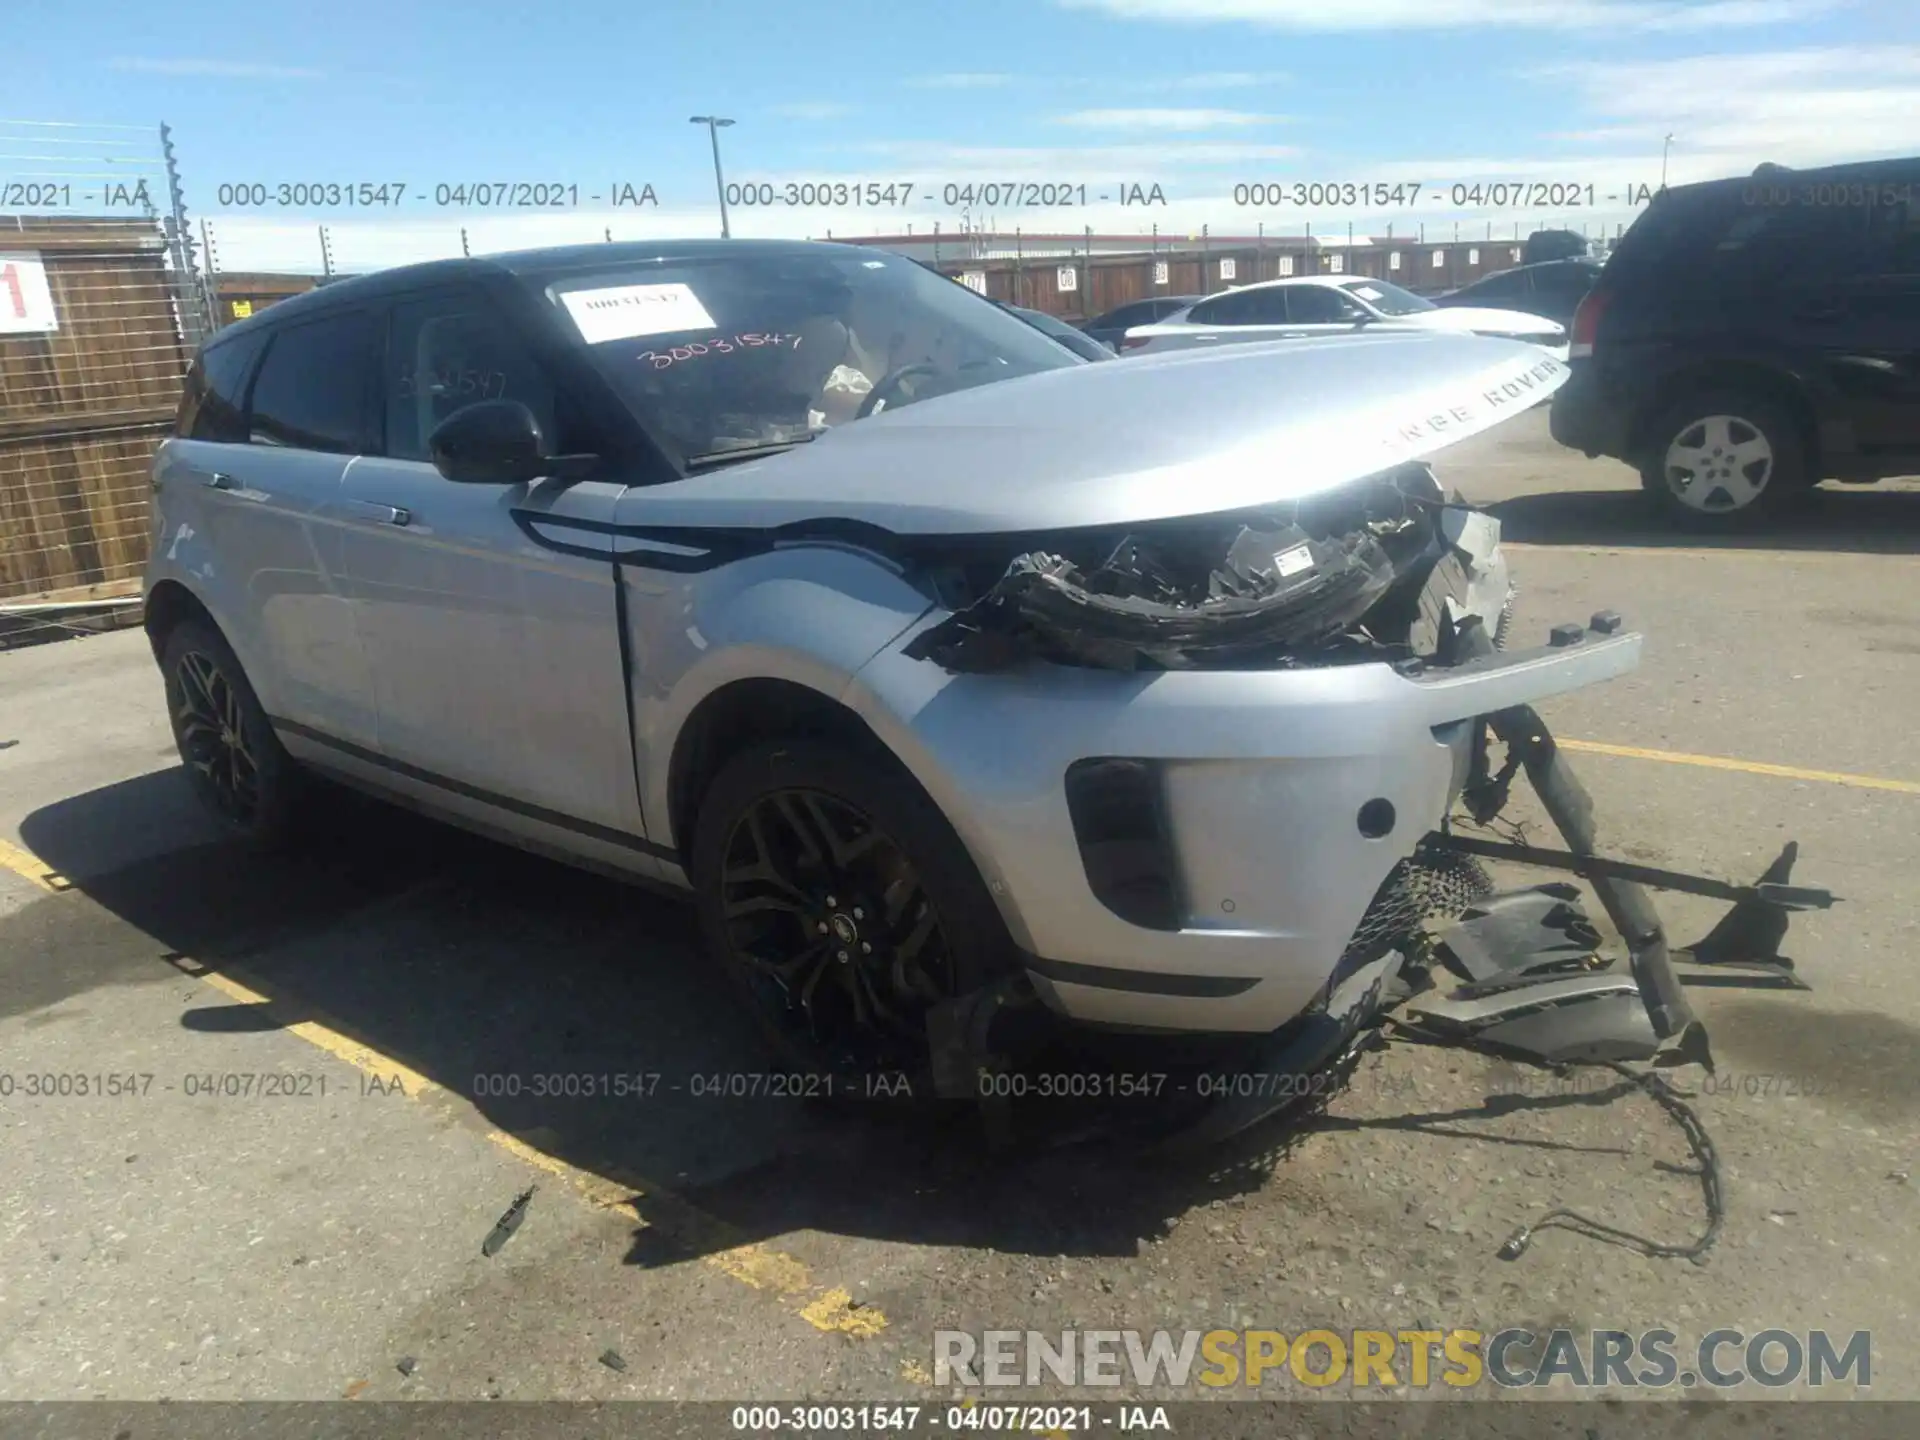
(1851, 171)
(553, 260)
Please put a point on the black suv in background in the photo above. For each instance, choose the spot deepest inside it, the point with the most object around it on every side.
(1553, 288)
(1749, 338)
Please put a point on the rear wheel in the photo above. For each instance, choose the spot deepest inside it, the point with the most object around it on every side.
(841, 907)
(1723, 460)
(234, 762)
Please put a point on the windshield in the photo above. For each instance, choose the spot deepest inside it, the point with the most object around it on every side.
(724, 355)
(1386, 297)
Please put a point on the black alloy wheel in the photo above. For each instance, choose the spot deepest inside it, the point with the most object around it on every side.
(234, 762)
(213, 737)
(842, 907)
(831, 916)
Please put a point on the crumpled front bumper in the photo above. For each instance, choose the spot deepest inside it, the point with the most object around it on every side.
(1279, 802)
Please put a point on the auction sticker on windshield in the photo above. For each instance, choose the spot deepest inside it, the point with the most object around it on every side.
(619, 312)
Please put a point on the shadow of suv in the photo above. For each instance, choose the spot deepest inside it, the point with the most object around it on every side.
(1751, 337)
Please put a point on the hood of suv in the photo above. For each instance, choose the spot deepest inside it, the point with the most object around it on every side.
(1161, 436)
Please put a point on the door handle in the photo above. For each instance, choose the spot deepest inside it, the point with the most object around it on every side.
(379, 514)
(217, 480)
(1820, 310)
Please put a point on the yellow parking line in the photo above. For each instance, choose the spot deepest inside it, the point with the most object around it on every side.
(828, 1308)
(1750, 767)
(32, 868)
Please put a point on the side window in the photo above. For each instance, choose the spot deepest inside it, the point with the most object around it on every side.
(210, 408)
(444, 352)
(1233, 308)
(1319, 305)
(1793, 242)
(314, 390)
(1266, 307)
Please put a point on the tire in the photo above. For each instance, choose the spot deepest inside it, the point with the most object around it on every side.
(1693, 467)
(745, 835)
(238, 769)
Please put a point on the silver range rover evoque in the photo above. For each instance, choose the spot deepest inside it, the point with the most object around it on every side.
(949, 673)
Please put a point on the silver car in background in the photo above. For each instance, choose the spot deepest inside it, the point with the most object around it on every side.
(934, 662)
(1312, 306)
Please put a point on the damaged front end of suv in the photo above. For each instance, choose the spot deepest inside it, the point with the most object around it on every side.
(1386, 574)
(1372, 572)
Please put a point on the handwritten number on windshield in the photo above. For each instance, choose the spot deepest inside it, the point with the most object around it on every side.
(753, 340)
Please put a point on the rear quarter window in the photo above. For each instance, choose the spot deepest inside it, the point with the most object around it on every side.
(210, 405)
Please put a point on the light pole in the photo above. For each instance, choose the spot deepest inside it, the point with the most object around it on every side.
(1665, 146)
(713, 124)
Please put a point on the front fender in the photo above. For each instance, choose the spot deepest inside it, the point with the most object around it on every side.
(811, 614)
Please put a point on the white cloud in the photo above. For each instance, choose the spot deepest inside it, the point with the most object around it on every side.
(1216, 80)
(1727, 113)
(1344, 15)
(1149, 119)
(813, 110)
(221, 69)
(961, 80)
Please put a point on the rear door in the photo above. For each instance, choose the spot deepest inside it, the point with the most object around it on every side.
(1809, 280)
(1235, 317)
(1320, 310)
(1883, 320)
(493, 637)
(270, 487)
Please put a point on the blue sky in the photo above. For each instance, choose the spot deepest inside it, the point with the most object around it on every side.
(1192, 95)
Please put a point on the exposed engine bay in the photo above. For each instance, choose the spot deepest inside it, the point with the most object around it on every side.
(1362, 573)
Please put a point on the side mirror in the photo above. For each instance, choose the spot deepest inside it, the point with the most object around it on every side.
(497, 442)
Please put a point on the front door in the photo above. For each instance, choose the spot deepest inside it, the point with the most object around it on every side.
(493, 638)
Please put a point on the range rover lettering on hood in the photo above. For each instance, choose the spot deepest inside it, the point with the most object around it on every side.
(1190, 432)
(1457, 421)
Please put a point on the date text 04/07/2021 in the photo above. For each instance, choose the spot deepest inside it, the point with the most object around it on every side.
(950, 194)
(892, 1419)
(442, 195)
(1404, 194)
(699, 1085)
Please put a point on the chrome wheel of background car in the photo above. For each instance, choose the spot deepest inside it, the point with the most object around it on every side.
(830, 920)
(210, 725)
(1718, 463)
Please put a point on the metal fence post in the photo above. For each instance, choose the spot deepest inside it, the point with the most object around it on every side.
(196, 315)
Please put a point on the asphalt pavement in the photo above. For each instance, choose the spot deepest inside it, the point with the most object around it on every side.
(257, 1117)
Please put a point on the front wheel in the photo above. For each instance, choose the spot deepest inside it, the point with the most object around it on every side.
(1723, 460)
(841, 906)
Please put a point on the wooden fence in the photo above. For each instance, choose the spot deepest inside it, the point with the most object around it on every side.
(92, 352)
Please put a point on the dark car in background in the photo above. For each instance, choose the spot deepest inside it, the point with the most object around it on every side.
(1054, 328)
(1108, 328)
(1751, 337)
(1553, 289)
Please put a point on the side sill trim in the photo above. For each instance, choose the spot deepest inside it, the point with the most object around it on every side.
(603, 833)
